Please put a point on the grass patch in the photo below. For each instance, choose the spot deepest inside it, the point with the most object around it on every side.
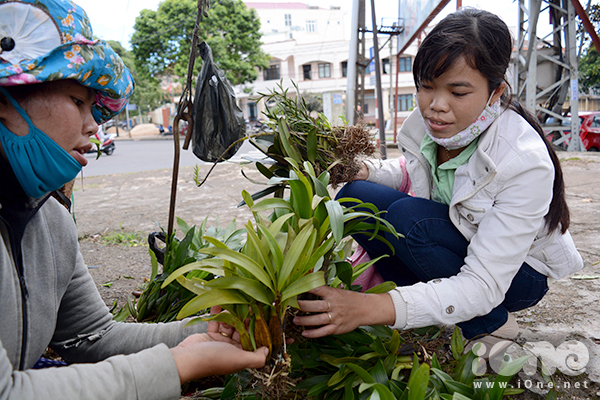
(129, 239)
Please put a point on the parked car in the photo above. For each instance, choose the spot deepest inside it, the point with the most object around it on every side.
(554, 135)
(589, 130)
(112, 122)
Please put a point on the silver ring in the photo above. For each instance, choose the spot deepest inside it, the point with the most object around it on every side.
(328, 305)
(329, 315)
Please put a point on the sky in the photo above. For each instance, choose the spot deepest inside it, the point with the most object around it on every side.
(114, 19)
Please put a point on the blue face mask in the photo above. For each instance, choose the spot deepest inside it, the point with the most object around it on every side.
(39, 163)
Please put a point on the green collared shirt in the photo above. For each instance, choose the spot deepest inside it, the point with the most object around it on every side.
(443, 175)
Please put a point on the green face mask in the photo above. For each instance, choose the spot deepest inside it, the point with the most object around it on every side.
(39, 163)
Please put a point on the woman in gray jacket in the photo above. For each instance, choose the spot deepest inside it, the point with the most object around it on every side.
(485, 223)
(56, 84)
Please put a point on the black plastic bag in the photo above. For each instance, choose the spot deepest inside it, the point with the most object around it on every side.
(218, 121)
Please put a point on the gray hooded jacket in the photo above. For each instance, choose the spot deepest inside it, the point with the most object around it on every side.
(48, 298)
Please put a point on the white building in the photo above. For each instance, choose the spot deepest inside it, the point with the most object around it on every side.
(309, 45)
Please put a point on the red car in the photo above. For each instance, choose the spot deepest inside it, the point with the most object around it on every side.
(589, 130)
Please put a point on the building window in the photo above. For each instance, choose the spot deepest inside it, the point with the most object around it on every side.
(311, 26)
(404, 64)
(272, 72)
(405, 102)
(344, 69)
(324, 70)
(288, 19)
(306, 71)
(386, 65)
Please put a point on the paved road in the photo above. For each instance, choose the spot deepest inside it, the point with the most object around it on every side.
(148, 155)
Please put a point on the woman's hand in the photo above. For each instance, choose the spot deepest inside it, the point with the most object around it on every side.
(363, 174)
(216, 352)
(340, 311)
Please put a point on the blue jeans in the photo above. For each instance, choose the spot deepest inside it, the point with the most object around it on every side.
(433, 248)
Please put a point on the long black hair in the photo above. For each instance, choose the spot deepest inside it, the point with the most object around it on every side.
(485, 42)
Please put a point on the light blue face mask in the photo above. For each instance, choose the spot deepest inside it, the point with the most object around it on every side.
(39, 163)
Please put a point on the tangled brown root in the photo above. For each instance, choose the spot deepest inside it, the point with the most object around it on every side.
(273, 381)
(354, 143)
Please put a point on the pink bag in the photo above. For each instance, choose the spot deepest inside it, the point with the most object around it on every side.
(371, 276)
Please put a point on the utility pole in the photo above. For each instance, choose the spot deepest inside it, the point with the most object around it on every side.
(378, 91)
(355, 87)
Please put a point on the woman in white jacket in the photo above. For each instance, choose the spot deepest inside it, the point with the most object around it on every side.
(487, 223)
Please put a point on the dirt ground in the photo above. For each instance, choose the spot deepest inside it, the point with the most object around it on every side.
(138, 203)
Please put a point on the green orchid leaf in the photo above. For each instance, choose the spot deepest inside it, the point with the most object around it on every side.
(154, 263)
(243, 261)
(458, 387)
(382, 287)
(216, 242)
(301, 198)
(507, 371)
(254, 249)
(293, 255)
(457, 345)
(362, 267)
(344, 272)
(458, 396)
(295, 165)
(361, 372)
(211, 298)
(266, 172)
(320, 252)
(227, 318)
(278, 225)
(204, 265)
(417, 383)
(336, 219)
(271, 203)
(194, 285)
(284, 135)
(252, 288)
(274, 248)
(311, 145)
(380, 391)
(444, 377)
(324, 178)
(303, 285)
(320, 187)
(262, 193)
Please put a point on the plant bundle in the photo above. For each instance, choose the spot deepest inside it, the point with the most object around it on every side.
(297, 247)
(301, 137)
(162, 303)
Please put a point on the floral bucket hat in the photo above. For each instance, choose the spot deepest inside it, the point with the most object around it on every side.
(49, 40)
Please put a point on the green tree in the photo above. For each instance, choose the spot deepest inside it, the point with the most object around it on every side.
(589, 63)
(147, 94)
(162, 39)
(589, 71)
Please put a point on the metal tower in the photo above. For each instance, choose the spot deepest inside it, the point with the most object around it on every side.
(546, 68)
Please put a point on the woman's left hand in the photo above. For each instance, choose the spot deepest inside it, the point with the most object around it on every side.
(341, 311)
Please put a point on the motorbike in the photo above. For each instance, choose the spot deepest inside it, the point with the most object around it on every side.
(107, 146)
